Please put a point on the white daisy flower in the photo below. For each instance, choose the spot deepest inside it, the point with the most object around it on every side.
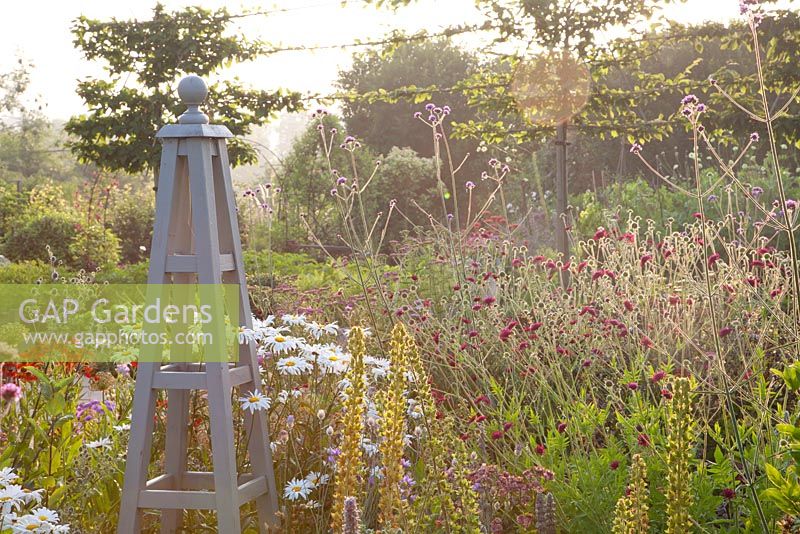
(315, 478)
(11, 497)
(274, 446)
(366, 329)
(100, 443)
(124, 427)
(255, 400)
(334, 361)
(29, 496)
(294, 319)
(281, 343)
(414, 409)
(7, 476)
(45, 515)
(318, 330)
(297, 488)
(259, 325)
(283, 396)
(371, 449)
(313, 352)
(248, 335)
(30, 523)
(293, 365)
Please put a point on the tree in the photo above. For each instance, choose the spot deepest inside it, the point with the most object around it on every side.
(567, 35)
(382, 122)
(144, 60)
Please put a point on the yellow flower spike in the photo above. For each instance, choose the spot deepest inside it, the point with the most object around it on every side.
(393, 430)
(350, 462)
(631, 514)
(679, 454)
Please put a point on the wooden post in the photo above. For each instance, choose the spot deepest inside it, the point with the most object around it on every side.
(196, 240)
(562, 238)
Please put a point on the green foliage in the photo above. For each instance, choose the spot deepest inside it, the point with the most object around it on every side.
(785, 490)
(32, 234)
(25, 272)
(307, 180)
(132, 222)
(383, 121)
(94, 248)
(118, 133)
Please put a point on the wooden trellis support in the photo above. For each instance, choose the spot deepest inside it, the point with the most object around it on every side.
(196, 240)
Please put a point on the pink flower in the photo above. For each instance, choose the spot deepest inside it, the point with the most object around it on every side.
(714, 258)
(489, 300)
(10, 392)
(497, 434)
(614, 465)
(658, 376)
(633, 386)
(725, 331)
(728, 493)
(647, 342)
(540, 449)
(644, 440)
(561, 427)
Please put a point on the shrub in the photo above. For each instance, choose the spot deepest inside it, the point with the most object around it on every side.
(132, 222)
(94, 248)
(26, 272)
(30, 236)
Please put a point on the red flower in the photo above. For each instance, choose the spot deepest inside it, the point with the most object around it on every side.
(516, 262)
(540, 449)
(561, 427)
(497, 434)
(504, 334)
(728, 493)
(667, 394)
(633, 386)
(483, 399)
(674, 299)
(644, 259)
(628, 305)
(614, 465)
(587, 362)
(658, 376)
(597, 274)
(600, 234)
(697, 215)
(489, 300)
(647, 342)
(714, 258)
(644, 440)
(725, 331)
(507, 426)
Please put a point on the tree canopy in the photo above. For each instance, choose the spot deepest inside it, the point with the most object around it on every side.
(143, 61)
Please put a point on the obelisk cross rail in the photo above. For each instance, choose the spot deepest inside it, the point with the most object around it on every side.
(196, 240)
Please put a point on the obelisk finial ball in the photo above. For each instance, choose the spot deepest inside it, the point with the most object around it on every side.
(192, 90)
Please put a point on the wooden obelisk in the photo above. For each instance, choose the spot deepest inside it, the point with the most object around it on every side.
(196, 240)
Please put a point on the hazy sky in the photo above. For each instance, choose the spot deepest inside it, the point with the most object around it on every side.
(40, 31)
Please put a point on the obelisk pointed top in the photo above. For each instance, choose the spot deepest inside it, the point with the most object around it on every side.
(193, 92)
